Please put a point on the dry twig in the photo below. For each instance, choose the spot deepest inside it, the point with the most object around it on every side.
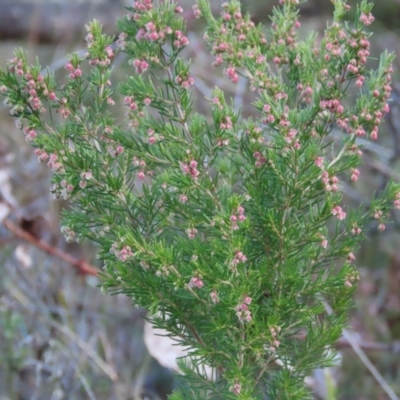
(81, 265)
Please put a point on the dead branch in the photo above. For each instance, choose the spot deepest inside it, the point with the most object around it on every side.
(81, 265)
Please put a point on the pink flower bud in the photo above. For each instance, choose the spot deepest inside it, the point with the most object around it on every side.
(69, 67)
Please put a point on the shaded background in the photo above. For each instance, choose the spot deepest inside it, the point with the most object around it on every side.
(60, 338)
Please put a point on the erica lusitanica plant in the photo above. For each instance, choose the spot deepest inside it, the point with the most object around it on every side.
(230, 231)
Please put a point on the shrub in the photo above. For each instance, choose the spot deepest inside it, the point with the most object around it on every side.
(231, 231)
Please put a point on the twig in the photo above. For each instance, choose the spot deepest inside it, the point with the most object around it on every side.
(357, 349)
(384, 169)
(81, 265)
(393, 347)
(141, 376)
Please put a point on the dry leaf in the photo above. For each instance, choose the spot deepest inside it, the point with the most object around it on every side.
(167, 350)
(22, 256)
(4, 211)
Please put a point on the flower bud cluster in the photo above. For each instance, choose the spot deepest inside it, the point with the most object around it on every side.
(239, 258)
(141, 174)
(196, 282)
(97, 54)
(74, 72)
(34, 86)
(338, 213)
(190, 169)
(143, 5)
(85, 177)
(242, 310)
(30, 134)
(236, 388)
(236, 32)
(330, 182)
(214, 296)
(274, 330)
(68, 233)
(355, 45)
(237, 217)
(324, 242)
(184, 81)
(123, 254)
(351, 278)
(378, 215)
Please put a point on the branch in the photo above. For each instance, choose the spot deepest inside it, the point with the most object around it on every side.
(81, 265)
(393, 347)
